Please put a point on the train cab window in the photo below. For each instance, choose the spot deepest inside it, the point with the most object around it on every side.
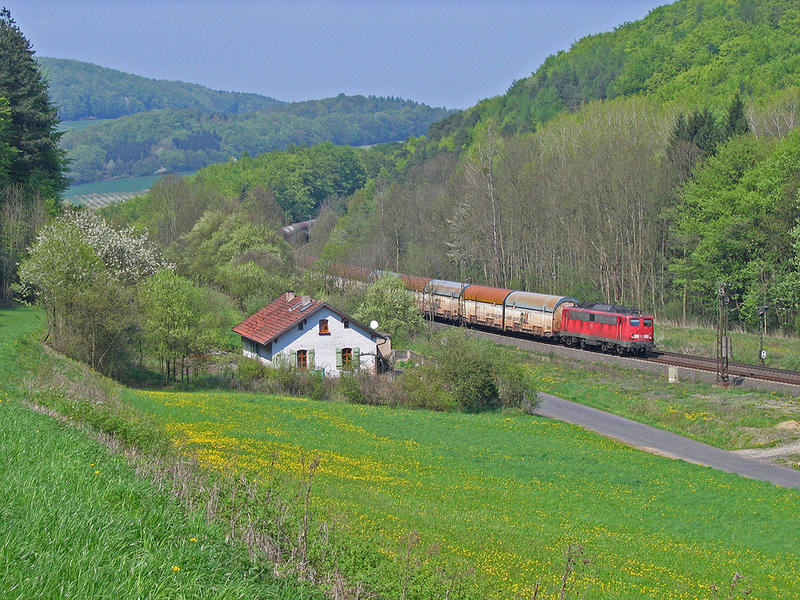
(635, 322)
(591, 317)
(648, 322)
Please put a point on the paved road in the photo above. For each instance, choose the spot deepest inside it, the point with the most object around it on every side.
(663, 442)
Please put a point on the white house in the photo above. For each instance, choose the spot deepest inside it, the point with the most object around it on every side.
(300, 332)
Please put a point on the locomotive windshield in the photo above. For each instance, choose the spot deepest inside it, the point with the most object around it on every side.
(635, 322)
(648, 322)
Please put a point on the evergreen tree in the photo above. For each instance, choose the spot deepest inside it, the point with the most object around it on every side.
(6, 151)
(736, 123)
(38, 164)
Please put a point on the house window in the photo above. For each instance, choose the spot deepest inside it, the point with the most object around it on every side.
(323, 327)
(300, 325)
(302, 359)
(346, 324)
(347, 358)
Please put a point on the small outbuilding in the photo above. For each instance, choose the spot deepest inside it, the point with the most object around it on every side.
(303, 333)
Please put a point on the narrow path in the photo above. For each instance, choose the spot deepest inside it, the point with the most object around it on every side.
(664, 443)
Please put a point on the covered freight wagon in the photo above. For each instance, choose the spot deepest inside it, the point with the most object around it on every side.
(483, 305)
(539, 314)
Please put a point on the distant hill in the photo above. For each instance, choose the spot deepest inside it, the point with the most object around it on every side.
(83, 90)
(147, 126)
(185, 140)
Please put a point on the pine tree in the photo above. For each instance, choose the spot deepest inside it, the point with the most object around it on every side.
(736, 123)
(38, 163)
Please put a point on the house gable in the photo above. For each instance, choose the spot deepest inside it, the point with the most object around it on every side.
(277, 332)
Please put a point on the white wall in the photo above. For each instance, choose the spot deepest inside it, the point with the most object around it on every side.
(324, 346)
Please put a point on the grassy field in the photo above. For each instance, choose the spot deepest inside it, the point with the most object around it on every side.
(491, 501)
(78, 522)
(126, 184)
(505, 494)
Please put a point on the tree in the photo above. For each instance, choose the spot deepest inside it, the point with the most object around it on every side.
(177, 321)
(736, 122)
(83, 272)
(6, 150)
(390, 304)
(38, 163)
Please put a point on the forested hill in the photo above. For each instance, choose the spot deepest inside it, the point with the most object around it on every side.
(184, 140)
(153, 125)
(689, 52)
(83, 90)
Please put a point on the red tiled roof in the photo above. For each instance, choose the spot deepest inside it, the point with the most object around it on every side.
(275, 318)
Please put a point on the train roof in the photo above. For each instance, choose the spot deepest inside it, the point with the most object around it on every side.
(484, 293)
(612, 308)
(442, 287)
(534, 301)
(415, 283)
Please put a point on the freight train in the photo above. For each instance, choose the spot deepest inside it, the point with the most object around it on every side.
(605, 327)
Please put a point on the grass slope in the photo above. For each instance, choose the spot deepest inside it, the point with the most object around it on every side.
(504, 494)
(78, 522)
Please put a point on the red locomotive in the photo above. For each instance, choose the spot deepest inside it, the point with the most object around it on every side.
(608, 327)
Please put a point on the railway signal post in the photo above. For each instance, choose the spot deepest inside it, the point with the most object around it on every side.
(762, 352)
(723, 339)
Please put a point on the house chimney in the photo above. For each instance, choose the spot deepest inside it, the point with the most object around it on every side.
(290, 295)
(305, 300)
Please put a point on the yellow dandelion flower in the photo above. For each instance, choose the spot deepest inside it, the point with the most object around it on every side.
(97, 472)
(192, 539)
(176, 568)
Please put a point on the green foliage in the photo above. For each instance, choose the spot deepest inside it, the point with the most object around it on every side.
(388, 303)
(237, 252)
(7, 151)
(300, 178)
(176, 320)
(83, 272)
(736, 222)
(36, 163)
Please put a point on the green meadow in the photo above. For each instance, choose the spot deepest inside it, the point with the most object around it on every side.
(502, 496)
(490, 503)
(77, 522)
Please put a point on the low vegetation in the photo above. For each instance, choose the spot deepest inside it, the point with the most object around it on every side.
(460, 374)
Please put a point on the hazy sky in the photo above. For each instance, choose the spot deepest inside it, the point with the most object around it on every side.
(445, 53)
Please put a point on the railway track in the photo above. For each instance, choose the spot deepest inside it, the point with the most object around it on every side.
(735, 369)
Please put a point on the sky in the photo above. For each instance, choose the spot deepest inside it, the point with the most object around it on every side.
(443, 53)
